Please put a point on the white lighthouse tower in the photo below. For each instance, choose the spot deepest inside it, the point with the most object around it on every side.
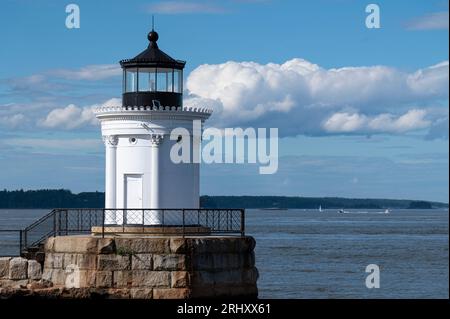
(140, 174)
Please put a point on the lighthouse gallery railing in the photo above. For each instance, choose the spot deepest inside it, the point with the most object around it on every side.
(62, 222)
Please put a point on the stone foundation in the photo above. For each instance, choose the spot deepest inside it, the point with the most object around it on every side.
(19, 273)
(141, 267)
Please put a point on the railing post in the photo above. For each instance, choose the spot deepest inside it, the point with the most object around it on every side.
(143, 221)
(183, 222)
(163, 212)
(59, 223)
(67, 222)
(198, 217)
(20, 242)
(54, 224)
(90, 221)
(78, 220)
(242, 222)
(103, 223)
(25, 238)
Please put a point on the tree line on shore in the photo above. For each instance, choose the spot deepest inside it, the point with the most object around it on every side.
(61, 198)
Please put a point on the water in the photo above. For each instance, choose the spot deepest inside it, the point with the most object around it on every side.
(307, 254)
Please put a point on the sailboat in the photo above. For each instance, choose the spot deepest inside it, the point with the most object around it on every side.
(320, 209)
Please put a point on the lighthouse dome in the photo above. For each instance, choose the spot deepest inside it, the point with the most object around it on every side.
(152, 75)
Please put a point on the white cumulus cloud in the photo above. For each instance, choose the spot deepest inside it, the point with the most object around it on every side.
(72, 116)
(89, 72)
(300, 97)
(13, 121)
(432, 21)
(347, 123)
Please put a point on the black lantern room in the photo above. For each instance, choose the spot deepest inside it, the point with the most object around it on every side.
(152, 77)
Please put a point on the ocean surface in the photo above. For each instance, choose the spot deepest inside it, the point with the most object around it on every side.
(312, 254)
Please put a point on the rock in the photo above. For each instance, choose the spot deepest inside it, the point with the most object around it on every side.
(178, 245)
(179, 279)
(34, 270)
(86, 278)
(169, 262)
(142, 262)
(54, 260)
(81, 261)
(69, 259)
(49, 293)
(122, 279)
(203, 262)
(227, 261)
(141, 293)
(249, 260)
(142, 245)
(203, 278)
(41, 284)
(113, 262)
(228, 277)
(18, 267)
(171, 293)
(6, 283)
(114, 293)
(76, 293)
(246, 244)
(49, 244)
(55, 276)
(103, 279)
(106, 246)
(20, 284)
(250, 276)
(143, 278)
(136, 267)
(75, 244)
(4, 267)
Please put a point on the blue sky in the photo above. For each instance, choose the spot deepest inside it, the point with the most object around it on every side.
(362, 112)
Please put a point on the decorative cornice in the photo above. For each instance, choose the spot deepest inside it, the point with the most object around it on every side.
(150, 109)
(111, 140)
(156, 139)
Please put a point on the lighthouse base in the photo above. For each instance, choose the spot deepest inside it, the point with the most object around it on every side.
(151, 267)
(121, 231)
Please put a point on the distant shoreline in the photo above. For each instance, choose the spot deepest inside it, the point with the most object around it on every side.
(51, 198)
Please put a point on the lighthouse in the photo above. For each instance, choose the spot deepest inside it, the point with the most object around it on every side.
(138, 137)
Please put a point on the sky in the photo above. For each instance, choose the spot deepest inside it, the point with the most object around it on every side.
(361, 112)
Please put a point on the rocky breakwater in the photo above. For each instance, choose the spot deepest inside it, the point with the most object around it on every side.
(139, 267)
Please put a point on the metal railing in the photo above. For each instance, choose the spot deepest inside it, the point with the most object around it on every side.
(62, 222)
(10, 242)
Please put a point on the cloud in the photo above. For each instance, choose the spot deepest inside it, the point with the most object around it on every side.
(89, 73)
(53, 81)
(42, 144)
(432, 21)
(32, 85)
(183, 7)
(72, 116)
(439, 129)
(346, 123)
(13, 121)
(300, 97)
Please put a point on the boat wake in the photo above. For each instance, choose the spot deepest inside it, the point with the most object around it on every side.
(342, 211)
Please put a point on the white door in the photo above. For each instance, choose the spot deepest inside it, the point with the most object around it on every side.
(133, 198)
(133, 191)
